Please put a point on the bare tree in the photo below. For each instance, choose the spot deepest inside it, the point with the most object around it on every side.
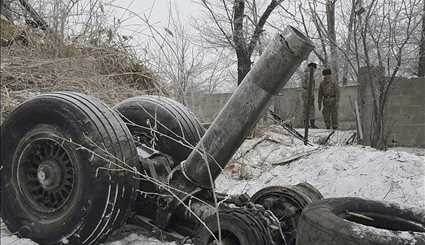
(330, 17)
(374, 33)
(237, 24)
(319, 22)
(385, 31)
(421, 65)
(218, 74)
(183, 65)
(61, 11)
(348, 41)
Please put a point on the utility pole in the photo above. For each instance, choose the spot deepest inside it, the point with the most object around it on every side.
(309, 102)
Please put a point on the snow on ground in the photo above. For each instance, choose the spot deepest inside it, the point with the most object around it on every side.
(336, 169)
(7, 238)
(132, 236)
(138, 239)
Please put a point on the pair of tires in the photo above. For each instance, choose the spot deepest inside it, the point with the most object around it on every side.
(355, 221)
(242, 226)
(70, 165)
(337, 221)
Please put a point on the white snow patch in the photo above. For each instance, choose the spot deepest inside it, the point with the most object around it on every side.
(363, 231)
(136, 239)
(339, 171)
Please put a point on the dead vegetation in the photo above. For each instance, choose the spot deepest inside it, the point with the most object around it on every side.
(33, 62)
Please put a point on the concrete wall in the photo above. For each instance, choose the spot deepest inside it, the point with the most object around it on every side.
(207, 106)
(288, 104)
(404, 112)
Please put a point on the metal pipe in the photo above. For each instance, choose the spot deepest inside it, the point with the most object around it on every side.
(240, 114)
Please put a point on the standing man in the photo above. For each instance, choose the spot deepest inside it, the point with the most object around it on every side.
(308, 102)
(329, 95)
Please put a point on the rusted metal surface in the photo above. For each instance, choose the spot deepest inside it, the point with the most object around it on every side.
(241, 113)
(189, 197)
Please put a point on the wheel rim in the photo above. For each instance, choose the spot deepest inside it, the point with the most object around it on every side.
(46, 175)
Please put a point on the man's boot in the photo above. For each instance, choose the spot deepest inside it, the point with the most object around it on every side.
(312, 125)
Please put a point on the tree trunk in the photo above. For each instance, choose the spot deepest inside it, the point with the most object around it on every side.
(330, 16)
(377, 137)
(348, 41)
(36, 17)
(244, 65)
(244, 60)
(376, 84)
(421, 66)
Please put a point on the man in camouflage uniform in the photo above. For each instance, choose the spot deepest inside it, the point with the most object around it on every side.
(312, 67)
(329, 95)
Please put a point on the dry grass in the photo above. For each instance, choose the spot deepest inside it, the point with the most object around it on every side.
(43, 64)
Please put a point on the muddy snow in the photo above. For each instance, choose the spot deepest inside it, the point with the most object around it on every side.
(336, 169)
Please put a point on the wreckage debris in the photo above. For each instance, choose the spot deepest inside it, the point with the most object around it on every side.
(74, 170)
(357, 221)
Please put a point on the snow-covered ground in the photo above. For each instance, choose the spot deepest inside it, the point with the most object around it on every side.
(337, 171)
(396, 175)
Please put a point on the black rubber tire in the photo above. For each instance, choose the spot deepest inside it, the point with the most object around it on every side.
(287, 204)
(301, 194)
(174, 120)
(328, 222)
(100, 199)
(240, 224)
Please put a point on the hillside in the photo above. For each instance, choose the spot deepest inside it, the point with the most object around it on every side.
(34, 62)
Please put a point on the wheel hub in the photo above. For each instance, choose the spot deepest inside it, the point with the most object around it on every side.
(49, 175)
(46, 175)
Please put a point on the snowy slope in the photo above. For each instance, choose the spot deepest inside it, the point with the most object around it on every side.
(338, 171)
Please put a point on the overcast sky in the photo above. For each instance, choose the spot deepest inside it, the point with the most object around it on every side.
(158, 9)
(158, 12)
